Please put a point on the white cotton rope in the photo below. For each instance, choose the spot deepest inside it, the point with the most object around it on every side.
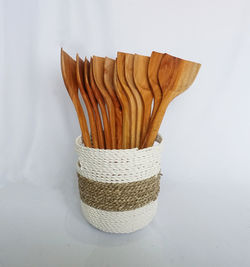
(119, 166)
(120, 222)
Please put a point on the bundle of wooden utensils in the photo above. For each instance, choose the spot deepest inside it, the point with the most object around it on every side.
(126, 98)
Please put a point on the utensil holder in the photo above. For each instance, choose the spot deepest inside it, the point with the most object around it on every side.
(119, 187)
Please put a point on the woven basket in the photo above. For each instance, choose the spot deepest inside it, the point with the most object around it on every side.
(119, 188)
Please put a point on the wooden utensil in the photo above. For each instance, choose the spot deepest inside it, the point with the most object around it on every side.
(153, 67)
(142, 84)
(133, 112)
(98, 71)
(98, 96)
(80, 80)
(68, 67)
(129, 68)
(125, 110)
(175, 76)
(94, 103)
(109, 65)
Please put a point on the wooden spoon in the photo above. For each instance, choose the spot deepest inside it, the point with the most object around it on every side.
(129, 68)
(142, 84)
(94, 104)
(98, 96)
(153, 67)
(98, 71)
(68, 66)
(133, 111)
(175, 76)
(109, 65)
(80, 80)
(125, 110)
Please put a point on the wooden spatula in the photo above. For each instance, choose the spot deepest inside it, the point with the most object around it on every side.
(129, 68)
(175, 76)
(125, 110)
(109, 65)
(98, 71)
(153, 67)
(68, 66)
(142, 84)
(80, 80)
(98, 96)
(133, 115)
(94, 103)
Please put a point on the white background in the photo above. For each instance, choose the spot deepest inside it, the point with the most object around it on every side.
(204, 205)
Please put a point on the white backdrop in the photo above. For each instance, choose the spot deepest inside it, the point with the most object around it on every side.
(204, 213)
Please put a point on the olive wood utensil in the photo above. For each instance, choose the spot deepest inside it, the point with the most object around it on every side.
(133, 110)
(98, 96)
(68, 66)
(143, 86)
(125, 110)
(80, 80)
(109, 65)
(98, 71)
(153, 67)
(175, 76)
(129, 68)
(94, 103)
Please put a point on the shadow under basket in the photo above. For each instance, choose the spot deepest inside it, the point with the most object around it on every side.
(119, 187)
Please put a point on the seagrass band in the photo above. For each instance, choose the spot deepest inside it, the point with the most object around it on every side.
(118, 196)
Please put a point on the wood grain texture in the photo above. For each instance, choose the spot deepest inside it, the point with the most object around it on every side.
(98, 71)
(68, 67)
(125, 110)
(142, 84)
(98, 96)
(109, 65)
(133, 109)
(153, 68)
(175, 76)
(80, 81)
(129, 69)
(101, 143)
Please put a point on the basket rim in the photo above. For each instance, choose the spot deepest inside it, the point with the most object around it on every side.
(79, 144)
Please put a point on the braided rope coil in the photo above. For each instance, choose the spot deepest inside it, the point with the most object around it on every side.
(121, 166)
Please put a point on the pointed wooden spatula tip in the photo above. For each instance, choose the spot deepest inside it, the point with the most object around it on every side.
(68, 65)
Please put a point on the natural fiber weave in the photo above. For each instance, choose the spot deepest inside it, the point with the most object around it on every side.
(118, 196)
(119, 167)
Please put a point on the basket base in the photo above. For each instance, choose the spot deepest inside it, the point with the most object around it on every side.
(122, 221)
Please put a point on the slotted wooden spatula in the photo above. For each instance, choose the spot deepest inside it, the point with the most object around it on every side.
(153, 67)
(109, 65)
(125, 110)
(175, 76)
(68, 66)
(142, 84)
(98, 96)
(129, 68)
(80, 80)
(133, 111)
(98, 71)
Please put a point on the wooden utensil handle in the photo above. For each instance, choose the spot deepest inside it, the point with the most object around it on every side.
(118, 120)
(155, 124)
(146, 117)
(82, 122)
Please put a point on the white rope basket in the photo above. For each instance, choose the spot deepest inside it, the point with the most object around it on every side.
(119, 166)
